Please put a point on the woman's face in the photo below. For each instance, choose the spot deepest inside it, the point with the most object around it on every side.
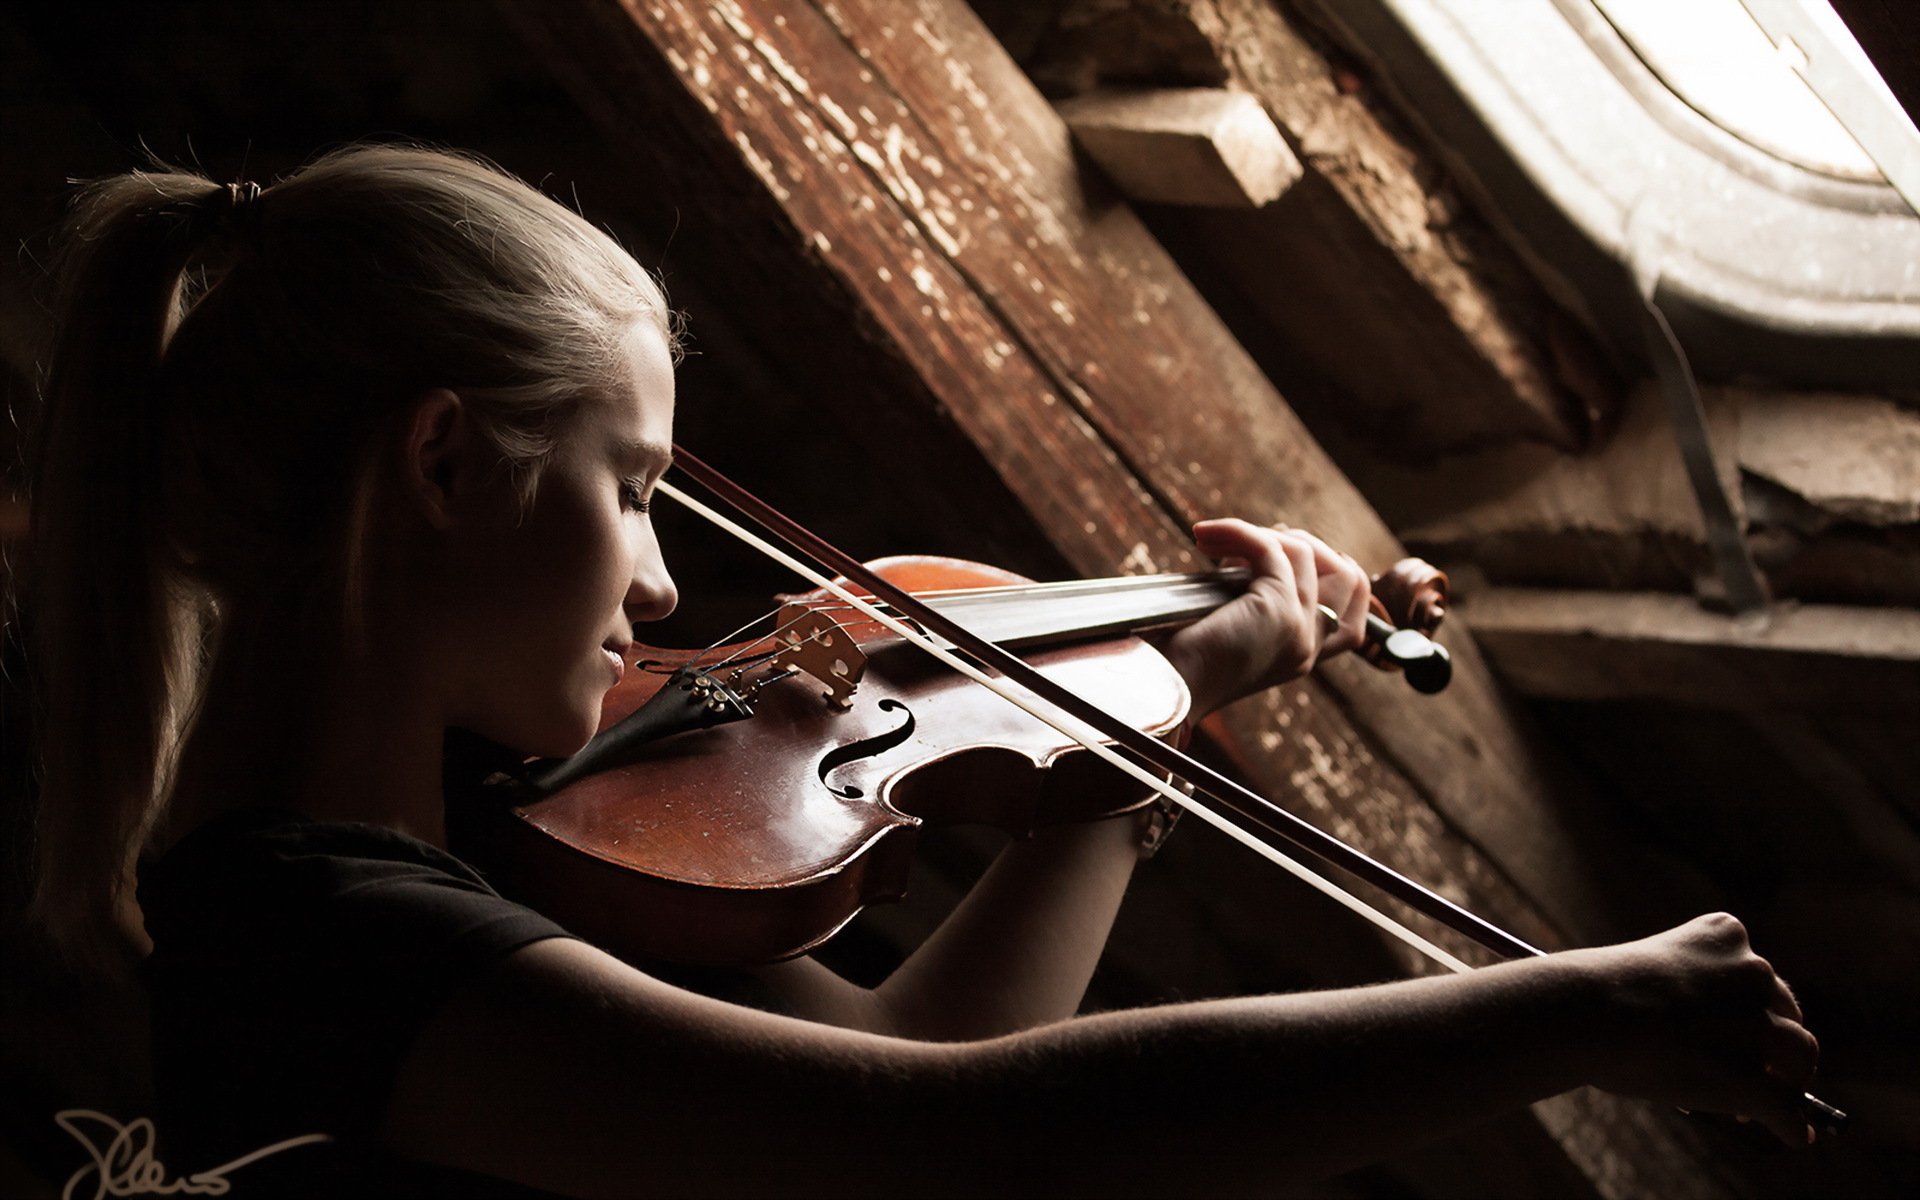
(555, 592)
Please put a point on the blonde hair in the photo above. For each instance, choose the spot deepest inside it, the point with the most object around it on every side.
(223, 364)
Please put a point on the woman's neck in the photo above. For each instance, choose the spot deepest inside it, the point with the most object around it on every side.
(341, 743)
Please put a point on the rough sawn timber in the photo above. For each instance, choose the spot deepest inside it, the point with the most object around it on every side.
(929, 188)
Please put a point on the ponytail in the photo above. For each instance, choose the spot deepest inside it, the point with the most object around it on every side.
(225, 365)
(116, 639)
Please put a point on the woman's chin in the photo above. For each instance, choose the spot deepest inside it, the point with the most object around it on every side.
(584, 734)
(565, 742)
(558, 728)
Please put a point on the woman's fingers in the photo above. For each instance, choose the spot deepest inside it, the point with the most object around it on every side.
(1784, 1003)
(1781, 1116)
(1711, 1027)
(1306, 586)
(1790, 1056)
(1230, 538)
(1344, 588)
(1792, 1052)
(1284, 559)
(1278, 632)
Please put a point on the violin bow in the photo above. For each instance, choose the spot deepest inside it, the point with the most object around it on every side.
(1097, 724)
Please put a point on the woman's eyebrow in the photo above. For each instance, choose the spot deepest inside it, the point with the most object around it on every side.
(643, 453)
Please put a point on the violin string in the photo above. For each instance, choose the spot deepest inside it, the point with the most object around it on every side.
(1090, 587)
(1092, 600)
(695, 664)
(1117, 583)
(1072, 727)
(769, 615)
(722, 640)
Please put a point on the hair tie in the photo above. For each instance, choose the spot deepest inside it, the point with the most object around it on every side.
(234, 207)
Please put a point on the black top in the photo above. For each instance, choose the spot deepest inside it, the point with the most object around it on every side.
(293, 962)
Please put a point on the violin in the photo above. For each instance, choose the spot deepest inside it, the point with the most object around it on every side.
(743, 802)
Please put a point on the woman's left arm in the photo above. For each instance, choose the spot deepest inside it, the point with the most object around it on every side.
(1014, 954)
(1018, 951)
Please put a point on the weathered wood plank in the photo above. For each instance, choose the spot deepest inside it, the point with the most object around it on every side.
(1854, 458)
(1578, 645)
(1294, 744)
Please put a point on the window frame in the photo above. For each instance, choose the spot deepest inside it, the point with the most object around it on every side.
(1767, 270)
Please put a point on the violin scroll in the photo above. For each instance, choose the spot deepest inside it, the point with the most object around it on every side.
(1412, 594)
(1409, 602)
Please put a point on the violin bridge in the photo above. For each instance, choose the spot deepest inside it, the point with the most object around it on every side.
(813, 643)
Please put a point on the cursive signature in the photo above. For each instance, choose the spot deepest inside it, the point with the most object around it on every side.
(125, 1166)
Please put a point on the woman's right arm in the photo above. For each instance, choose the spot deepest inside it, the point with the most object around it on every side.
(568, 1070)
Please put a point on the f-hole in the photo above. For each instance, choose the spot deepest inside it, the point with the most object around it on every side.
(868, 747)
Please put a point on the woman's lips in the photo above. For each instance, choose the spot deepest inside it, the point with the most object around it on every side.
(619, 665)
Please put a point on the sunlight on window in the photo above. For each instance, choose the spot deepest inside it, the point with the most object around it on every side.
(1716, 58)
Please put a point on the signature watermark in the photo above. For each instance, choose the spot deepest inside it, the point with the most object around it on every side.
(123, 1162)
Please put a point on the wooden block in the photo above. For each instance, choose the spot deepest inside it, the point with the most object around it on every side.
(1576, 645)
(1205, 147)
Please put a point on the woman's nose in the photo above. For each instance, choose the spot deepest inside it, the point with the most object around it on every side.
(652, 595)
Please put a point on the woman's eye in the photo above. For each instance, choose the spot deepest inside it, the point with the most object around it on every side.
(633, 494)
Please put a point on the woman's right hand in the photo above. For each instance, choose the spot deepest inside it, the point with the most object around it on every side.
(1695, 1018)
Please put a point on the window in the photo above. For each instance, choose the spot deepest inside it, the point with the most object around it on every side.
(1779, 251)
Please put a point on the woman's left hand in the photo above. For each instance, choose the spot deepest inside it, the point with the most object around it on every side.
(1275, 632)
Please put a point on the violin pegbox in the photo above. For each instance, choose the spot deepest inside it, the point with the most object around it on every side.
(814, 643)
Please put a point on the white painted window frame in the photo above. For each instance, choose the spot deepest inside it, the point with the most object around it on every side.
(1599, 175)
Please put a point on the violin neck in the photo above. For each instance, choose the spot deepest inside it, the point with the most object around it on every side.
(1044, 613)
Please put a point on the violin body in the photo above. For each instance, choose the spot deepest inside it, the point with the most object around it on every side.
(757, 839)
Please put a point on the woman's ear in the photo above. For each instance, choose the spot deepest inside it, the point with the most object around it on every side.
(439, 465)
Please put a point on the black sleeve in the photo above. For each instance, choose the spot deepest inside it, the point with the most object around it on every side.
(294, 962)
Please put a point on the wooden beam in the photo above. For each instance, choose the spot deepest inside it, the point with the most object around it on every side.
(1581, 645)
(1201, 147)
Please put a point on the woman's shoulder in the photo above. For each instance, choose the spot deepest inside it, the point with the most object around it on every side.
(293, 962)
(263, 871)
(264, 863)
(269, 833)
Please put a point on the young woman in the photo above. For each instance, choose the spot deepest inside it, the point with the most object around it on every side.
(303, 450)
